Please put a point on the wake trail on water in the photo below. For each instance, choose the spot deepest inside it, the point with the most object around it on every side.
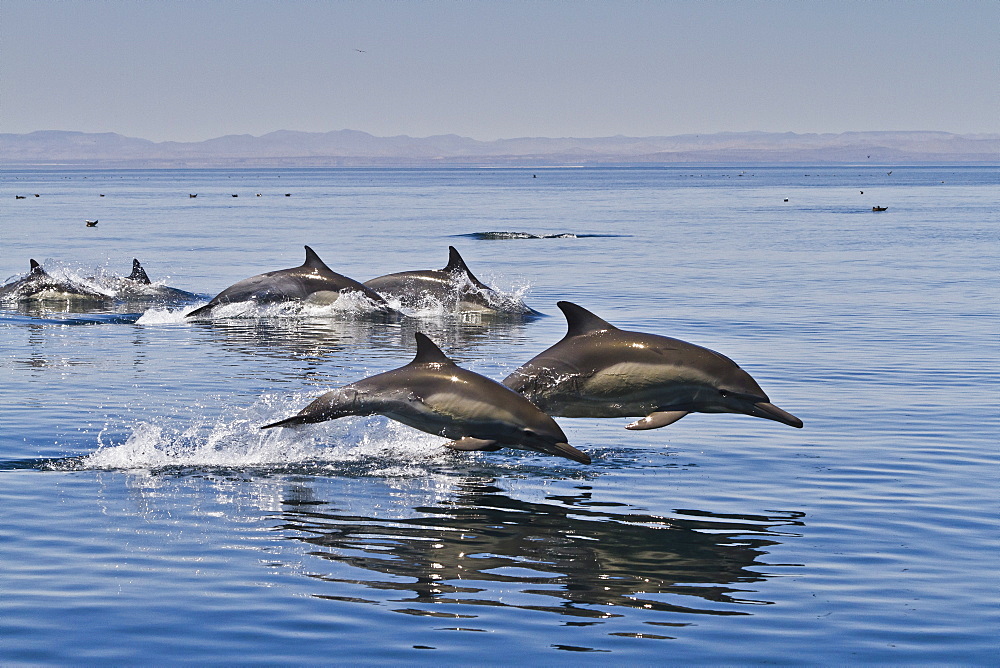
(348, 306)
(364, 446)
(506, 235)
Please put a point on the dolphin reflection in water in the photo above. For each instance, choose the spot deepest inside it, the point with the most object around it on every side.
(598, 370)
(570, 555)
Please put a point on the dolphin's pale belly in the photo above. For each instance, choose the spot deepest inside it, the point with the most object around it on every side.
(450, 414)
(56, 294)
(53, 294)
(323, 297)
(416, 291)
(459, 408)
(625, 389)
(132, 292)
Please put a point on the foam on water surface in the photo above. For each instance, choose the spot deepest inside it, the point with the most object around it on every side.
(381, 446)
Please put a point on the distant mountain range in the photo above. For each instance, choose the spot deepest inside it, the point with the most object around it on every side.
(353, 148)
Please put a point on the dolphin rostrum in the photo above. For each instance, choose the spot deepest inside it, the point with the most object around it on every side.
(435, 395)
(313, 282)
(454, 286)
(39, 285)
(598, 370)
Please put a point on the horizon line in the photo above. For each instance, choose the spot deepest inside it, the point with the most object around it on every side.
(984, 134)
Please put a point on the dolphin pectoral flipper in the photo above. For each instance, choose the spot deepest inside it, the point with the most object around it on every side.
(657, 419)
(470, 444)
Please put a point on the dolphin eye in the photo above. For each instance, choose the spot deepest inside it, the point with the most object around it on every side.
(724, 393)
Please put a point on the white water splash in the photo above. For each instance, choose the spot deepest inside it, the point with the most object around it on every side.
(349, 305)
(380, 446)
(166, 316)
(64, 284)
(461, 298)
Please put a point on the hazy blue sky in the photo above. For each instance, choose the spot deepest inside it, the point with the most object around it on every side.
(191, 70)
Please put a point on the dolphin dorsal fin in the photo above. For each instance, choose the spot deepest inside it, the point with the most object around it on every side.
(313, 261)
(582, 321)
(138, 273)
(455, 261)
(457, 264)
(36, 268)
(428, 352)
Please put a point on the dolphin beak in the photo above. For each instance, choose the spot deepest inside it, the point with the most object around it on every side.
(771, 412)
(568, 451)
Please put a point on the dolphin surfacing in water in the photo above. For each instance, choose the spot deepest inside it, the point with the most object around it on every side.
(598, 370)
(136, 287)
(435, 395)
(455, 286)
(312, 282)
(39, 286)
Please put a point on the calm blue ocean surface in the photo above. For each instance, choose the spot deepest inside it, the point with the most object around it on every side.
(145, 519)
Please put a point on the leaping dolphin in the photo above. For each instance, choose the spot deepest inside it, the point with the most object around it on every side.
(598, 370)
(38, 285)
(454, 286)
(312, 282)
(435, 395)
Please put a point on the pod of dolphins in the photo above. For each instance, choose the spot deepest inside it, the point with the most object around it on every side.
(595, 371)
(40, 286)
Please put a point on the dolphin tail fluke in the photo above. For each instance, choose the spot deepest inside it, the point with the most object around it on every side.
(569, 452)
(469, 444)
(657, 420)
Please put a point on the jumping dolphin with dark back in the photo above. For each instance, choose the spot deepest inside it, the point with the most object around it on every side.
(454, 286)
(598, 370)
(435, 395)
(313, 282)
(38, 285)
